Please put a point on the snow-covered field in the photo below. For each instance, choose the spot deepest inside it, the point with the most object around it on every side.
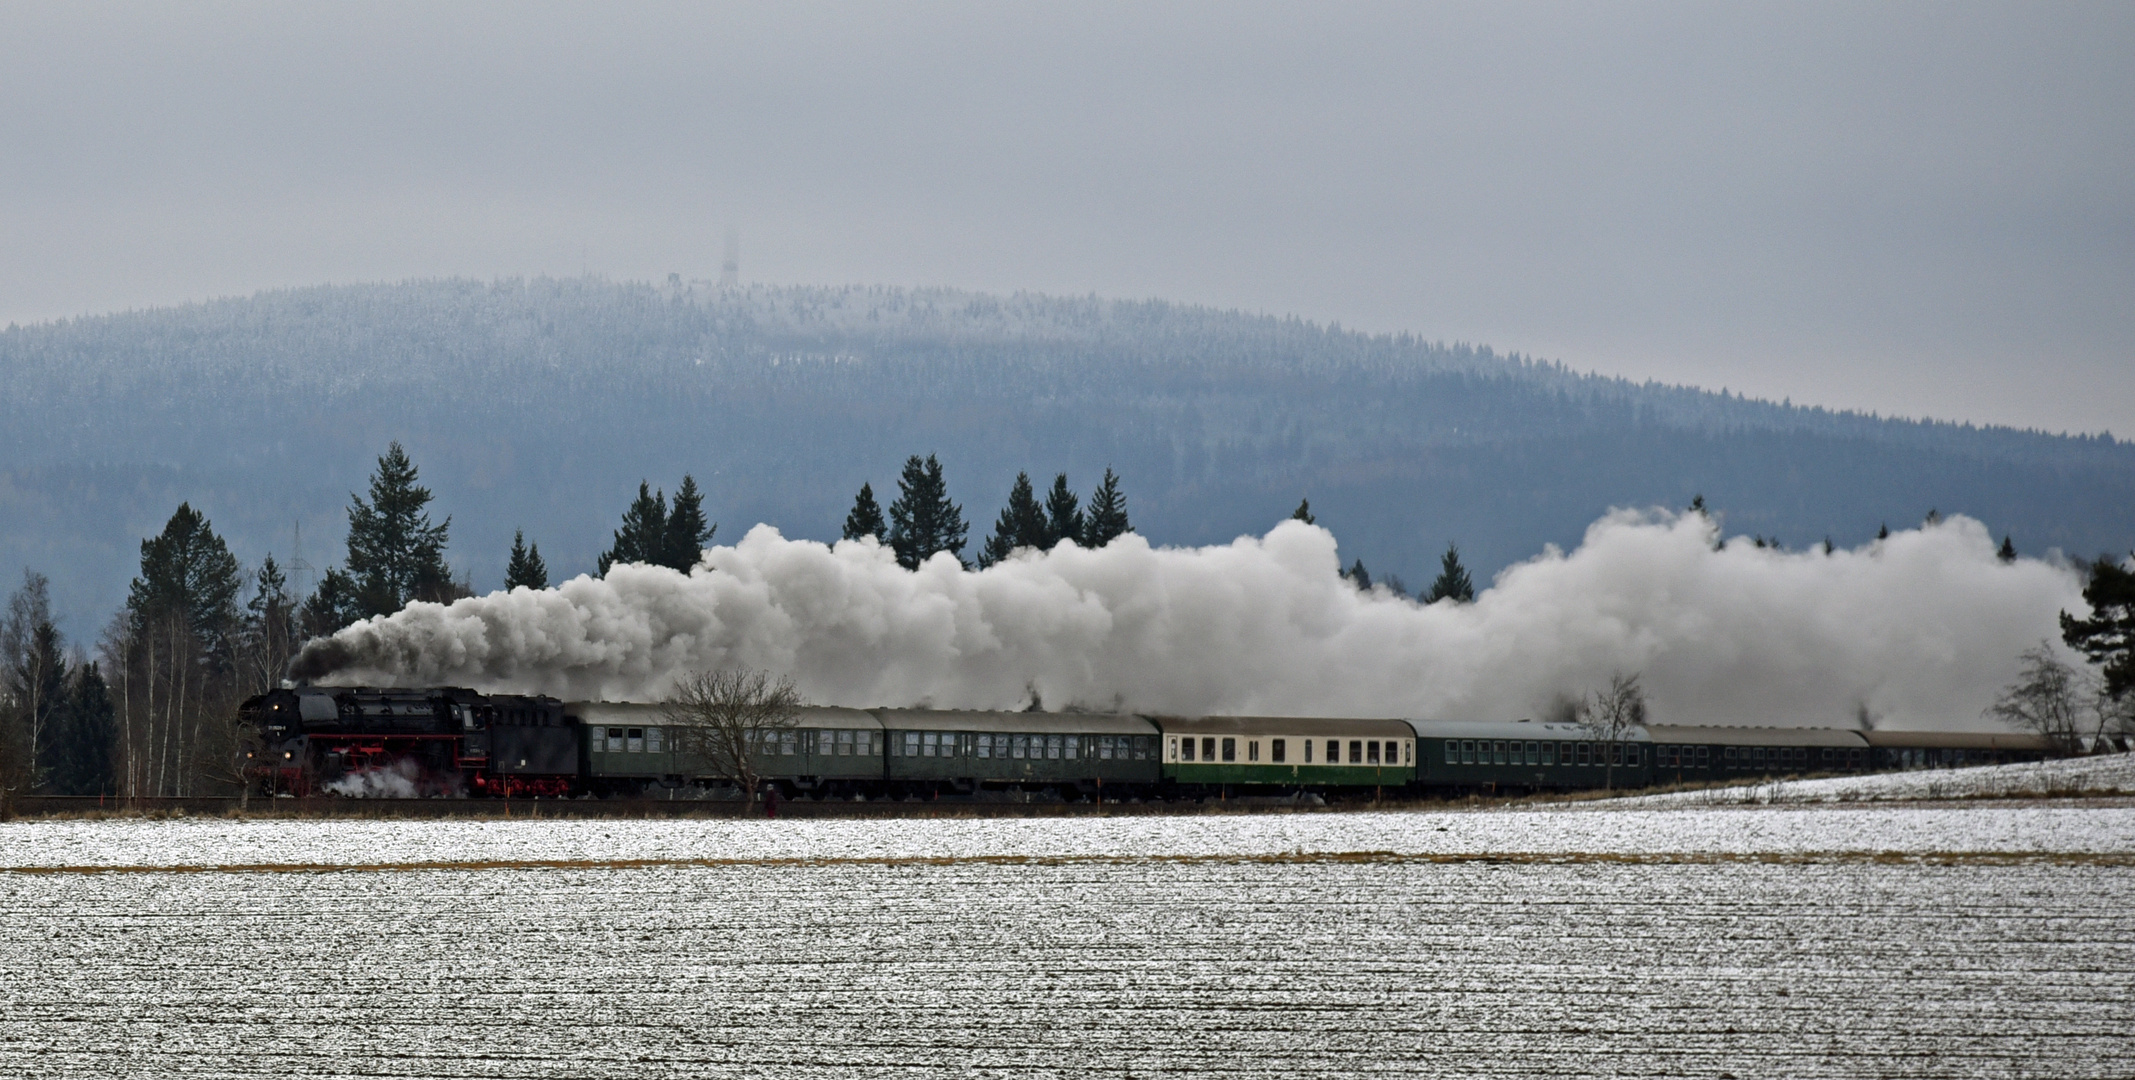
(2106, 774)
(1845, 941)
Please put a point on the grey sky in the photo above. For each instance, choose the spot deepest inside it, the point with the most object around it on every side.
(1926, 209)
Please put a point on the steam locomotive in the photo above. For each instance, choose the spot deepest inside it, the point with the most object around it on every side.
(456, 742)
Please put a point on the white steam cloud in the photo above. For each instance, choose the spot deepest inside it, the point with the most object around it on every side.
(1917, 631)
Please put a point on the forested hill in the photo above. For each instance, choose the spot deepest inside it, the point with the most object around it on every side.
(540, 404)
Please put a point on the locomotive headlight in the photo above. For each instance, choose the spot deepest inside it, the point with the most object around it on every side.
(285, 755)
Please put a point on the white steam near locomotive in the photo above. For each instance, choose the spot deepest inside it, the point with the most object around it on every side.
(1919, 630)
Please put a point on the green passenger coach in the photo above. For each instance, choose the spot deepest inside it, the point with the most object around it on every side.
(632, 747)
(1527, 755)
(1277, 751)
(935, 750)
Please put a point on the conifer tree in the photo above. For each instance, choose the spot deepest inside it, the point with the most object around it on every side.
(866, 516)
(1883, 531)
(1022, 524)
(2007, 553)
(188, 573)
(525, 567)
(687, 529)
(1063, 514)
(1358, 576)
(1107, 517)
(1304, 512)
(394, 554)
(643, 536)
(2107, 638)
(36, 682)
(1453, 582)
(331, 606)
(85, 742)
(178, 649)
(270, 629)
(923, 522)
(22, 712)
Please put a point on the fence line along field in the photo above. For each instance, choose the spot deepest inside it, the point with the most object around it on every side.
(1841, 942)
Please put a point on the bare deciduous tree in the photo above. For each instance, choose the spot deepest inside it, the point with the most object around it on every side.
(1610, 714)
(727, 719)
(2050, 698)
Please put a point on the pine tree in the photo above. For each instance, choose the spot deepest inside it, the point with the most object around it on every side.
(525, 569)
(331, 606)
(1883, 532)
(923, 522)
(1358, 576)
(687, 529)
(2007, 553)
(394, 554)
(36, 680)
(643, 537)
(1063, 514)
(1021, 524)
(2107, 638)
(866, 516)
(178, 649)
(1453, 582)
(1304, 512)
(270, 628)
(84, 746)
(1697, 506)
(1107, 519)
(188, 573)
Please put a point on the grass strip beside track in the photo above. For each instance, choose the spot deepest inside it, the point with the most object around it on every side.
(1893, 858)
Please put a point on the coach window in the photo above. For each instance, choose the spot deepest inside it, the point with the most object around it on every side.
(1275, 750)
(1452, 751)
(1371, 752)
(615, 740)
(1208, 749)
(1189, 751)
(1104, 748)
(1308, 751)
(634, 741)
(1071, 746)
(1230, 749)
(1585, 752)
(654, 742)
(1467, 752)
(1252, 749)
(1549, 753)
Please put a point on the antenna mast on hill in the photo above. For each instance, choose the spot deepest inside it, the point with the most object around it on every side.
(730, 267)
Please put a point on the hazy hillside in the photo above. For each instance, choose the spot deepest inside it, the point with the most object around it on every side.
(540, 404)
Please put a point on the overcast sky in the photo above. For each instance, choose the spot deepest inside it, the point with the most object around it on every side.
(1923, 209)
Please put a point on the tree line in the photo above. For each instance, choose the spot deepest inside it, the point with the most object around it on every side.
(149, 708)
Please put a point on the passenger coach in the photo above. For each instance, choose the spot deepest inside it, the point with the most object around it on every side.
(1273, 751)
(1526, 755)
(941, 751)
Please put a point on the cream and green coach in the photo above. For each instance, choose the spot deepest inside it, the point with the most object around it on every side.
(1277, 752)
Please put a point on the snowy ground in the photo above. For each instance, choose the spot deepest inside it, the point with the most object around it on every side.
(1841, 941)
(2105, 774)
(1569, 830)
